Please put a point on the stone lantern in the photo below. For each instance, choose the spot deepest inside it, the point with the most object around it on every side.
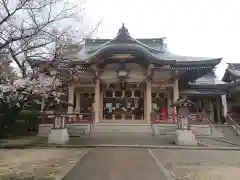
(59, 134)
(182, 106)
(184, 135)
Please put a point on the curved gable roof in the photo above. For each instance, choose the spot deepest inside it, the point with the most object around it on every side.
(154, 49)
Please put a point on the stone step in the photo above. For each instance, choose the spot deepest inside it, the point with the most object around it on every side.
(164, 129)
(119, 128)
(217, 131)
(77, 130)
(227, 131)
(122, 134)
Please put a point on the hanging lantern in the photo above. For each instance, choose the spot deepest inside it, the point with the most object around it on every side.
(122, 73)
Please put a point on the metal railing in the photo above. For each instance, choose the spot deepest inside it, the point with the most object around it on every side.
(204, 118)
(211, 126)
(235, 125)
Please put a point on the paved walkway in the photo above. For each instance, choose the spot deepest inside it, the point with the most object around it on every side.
(117, 164)
(156, 164)
(125, 140)
(212, 142)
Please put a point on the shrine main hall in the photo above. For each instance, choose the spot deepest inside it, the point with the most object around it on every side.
(128, 80)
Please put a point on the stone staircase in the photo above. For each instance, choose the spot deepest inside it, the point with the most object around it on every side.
(227, 131)
(142, 130)
(218, 131)
(205, 130)
(163, 129)
(109, 129)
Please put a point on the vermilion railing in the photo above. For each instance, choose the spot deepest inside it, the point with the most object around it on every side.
(162, 118)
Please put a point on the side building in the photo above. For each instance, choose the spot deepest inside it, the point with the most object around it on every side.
(232, 77)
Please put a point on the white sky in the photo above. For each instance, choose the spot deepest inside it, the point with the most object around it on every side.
(192, 27)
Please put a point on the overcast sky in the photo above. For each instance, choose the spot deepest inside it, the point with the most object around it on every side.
(192, 27)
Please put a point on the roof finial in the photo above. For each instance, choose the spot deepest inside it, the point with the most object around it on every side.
(123, 30)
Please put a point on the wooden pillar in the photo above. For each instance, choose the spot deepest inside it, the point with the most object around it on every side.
(218, 111)
(101, 105)
(148, 102)
(70, 97)
(175, 93)
(169, 108)
(145, 104)
(97, 101)
(210, 111)
(78, 101)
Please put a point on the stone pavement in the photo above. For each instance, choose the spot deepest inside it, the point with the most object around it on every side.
(235, 140)
(116, 164)
(213, 142)
(165, 164)
(120, 140)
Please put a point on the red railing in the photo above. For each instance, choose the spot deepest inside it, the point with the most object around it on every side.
(161, 118)
(70, 118)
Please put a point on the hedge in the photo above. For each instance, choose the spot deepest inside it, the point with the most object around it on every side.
(27, 123)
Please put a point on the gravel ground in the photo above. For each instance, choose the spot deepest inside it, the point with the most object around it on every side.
(201, 164)
(40, 164)
(204, 171)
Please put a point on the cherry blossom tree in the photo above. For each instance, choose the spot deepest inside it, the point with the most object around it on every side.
(33, 30)
(40, 85)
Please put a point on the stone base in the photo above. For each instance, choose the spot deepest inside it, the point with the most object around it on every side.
(185, 137)
(58, 136)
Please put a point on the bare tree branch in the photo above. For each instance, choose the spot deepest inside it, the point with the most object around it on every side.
(33, 29)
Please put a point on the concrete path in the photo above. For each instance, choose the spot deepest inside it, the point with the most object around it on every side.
(128, 140)
(117, 164)
(218, 142)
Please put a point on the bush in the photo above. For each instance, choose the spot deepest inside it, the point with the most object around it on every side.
(27, 123)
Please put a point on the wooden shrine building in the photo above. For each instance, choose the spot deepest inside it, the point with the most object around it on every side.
(128, 80)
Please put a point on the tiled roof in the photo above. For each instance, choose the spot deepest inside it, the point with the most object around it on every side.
(232, 70)
(208, 79)
(155, 50)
